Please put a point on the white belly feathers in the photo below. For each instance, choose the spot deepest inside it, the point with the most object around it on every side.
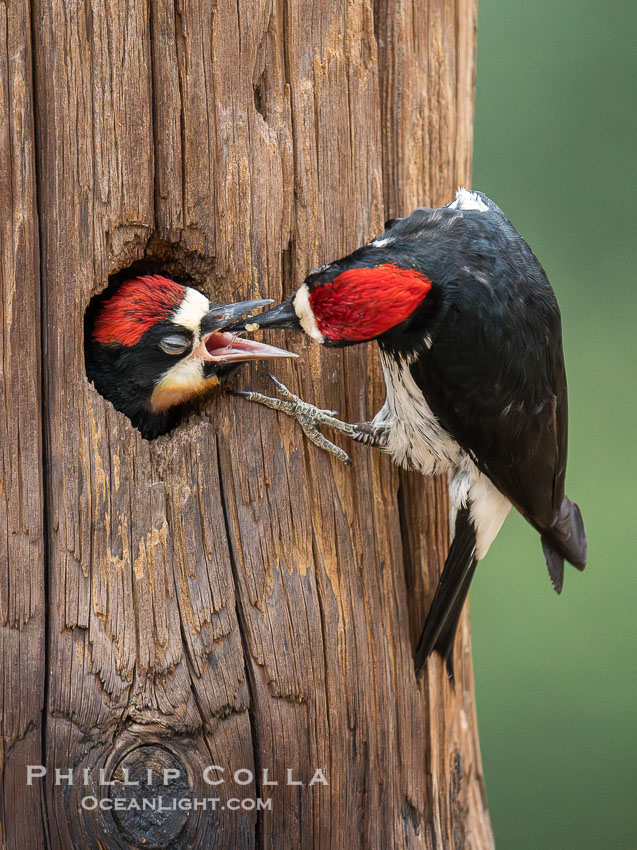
(416, 440)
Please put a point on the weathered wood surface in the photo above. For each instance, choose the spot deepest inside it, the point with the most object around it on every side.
(22, 592)
(225, 595)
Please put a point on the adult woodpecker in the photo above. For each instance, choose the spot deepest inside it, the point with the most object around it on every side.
(471, 348)
(155, 345)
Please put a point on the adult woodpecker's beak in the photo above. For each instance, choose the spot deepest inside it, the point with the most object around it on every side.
(222, 344)
(282, 316)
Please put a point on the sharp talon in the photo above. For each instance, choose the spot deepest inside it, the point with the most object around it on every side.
(277, 382)
(313, 434)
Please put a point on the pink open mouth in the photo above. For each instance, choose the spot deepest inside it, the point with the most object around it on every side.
(225, 347)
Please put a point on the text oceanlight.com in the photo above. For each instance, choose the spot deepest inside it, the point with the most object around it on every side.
(184, 804)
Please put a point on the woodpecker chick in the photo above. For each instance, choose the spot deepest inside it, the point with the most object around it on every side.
(471, 347)
(155, 345)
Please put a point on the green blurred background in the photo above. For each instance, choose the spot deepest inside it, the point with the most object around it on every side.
(555, 147)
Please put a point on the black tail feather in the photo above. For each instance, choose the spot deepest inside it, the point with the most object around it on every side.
(555, 563)
(565, 540)
(440, 627)
(446, 639)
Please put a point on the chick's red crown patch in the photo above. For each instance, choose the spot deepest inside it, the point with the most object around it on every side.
(137, 305)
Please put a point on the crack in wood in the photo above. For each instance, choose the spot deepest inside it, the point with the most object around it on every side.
(247, 656)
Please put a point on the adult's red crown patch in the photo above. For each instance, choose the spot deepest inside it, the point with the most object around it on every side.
(361, 304)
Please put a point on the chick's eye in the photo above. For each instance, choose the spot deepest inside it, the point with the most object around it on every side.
(174, 344)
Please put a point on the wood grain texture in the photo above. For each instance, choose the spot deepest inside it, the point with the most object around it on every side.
(227, 595)
(22, 598)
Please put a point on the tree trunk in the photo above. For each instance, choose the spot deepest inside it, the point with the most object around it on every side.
(227, 594)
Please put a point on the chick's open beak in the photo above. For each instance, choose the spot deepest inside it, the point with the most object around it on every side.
(222, 345)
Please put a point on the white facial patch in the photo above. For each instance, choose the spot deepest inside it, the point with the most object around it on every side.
(466, 200)
(191, 310)
(304, 311)
(181, 382)
(186, 378)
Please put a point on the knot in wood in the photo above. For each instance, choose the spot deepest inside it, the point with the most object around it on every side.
(152, 781)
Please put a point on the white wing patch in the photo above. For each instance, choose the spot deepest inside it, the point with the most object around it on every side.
(489, 509)
(466, 200)
(382, 243)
